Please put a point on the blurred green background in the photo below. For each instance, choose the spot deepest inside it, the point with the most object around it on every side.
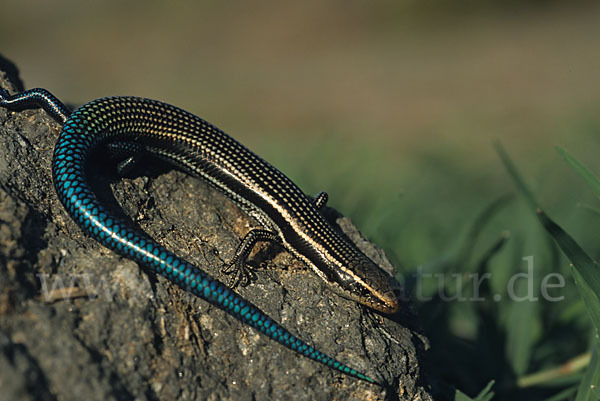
(392, 108)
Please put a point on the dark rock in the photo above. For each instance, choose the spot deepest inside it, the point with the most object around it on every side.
(79, 322)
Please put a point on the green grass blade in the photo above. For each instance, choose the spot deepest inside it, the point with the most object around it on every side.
(523, 318)
(460, 396)
(589, 208)
(556, 374)
(585, 270)
(484, 395)
(590, 298)
(581, 170)
(481, 220)
(588, 388)
(514, 173)
(563, 395)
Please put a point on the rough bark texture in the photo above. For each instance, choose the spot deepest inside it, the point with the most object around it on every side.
(79, 322)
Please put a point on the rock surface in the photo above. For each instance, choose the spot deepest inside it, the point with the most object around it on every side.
(79, 322)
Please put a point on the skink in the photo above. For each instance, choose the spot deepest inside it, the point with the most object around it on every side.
(130, 127)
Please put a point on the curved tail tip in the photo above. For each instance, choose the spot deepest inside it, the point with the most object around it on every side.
(368, 379)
